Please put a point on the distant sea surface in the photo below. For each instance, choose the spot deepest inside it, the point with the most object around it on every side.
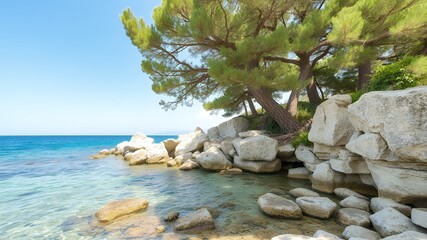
(50, 189)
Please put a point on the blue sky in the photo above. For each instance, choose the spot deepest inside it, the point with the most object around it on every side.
(67, 67)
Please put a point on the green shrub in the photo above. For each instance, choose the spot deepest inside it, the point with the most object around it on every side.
(356, 95)
(394, 76)
(305, 111)
(301, 139)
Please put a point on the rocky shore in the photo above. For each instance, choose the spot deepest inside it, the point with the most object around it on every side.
(372, 154)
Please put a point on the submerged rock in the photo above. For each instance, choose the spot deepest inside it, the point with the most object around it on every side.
(171, 216)
(318, 207)
(280, 207)
(199, 220)
(353, 216)
(360, 232)
(299, 173)
(120, 208)
(302, 192)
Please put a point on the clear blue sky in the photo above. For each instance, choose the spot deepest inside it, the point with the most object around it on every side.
(67, 67)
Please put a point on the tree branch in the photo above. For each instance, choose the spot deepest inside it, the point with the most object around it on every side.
(282, 59)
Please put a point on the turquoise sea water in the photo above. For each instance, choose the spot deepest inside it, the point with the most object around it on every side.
(50, 189)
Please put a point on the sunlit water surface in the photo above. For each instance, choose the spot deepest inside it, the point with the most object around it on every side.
(50, 189)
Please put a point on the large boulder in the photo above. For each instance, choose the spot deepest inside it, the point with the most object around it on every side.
(157, 153)
(191, 142)
(350, 167)
(369, 145)
(299, 173)
(231, 128)
(360, 232)
(325, 179)
(258, 166)
(353, 216)
(398, 116)
(379, 203)
(389, 222)
(331, 125)
(138, 141)
(257, 148)
(199, 220)
(136, 158)
(120, 208)
(280, 207)
(285, 150)
(293, 237)
(306, 155)
(213, 135)
(318, 207)
(213, 159)
(170, 145)
(408, 235)
(355, 202)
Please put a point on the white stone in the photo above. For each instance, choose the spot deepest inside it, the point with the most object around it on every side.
(379, 203)
(389, 222)
(293, 237)
(360, 232)
(369, 145)
(231, 128)
(189, 165)
(251, 133)
(226, 147)
(285, 151)
(191, 142)
(408, 235)
(258, 148)
(419, 216)
(213, 134)
(326, 152)
(180, 159)
(280, 207)
(323, 235)
(302, 192)
(318, 207)
(353, 216)
(258, 166)
(199, 220)
(331, 125)
(299, 173)
(104, 152)
(325, 178)
(367, 179)
(305, 154)
(355, 202)
(350, 167)
(119, 208)
(171, 163)
(345, 192)
(208, 145)
(136, 158)
(398, 116)
(156, 153)
(213, 159)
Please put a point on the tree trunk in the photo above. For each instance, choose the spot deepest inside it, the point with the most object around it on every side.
(292, 104)
(246, 109)
(313, 94)
(364, 71)
(252, 106)
(287, 123)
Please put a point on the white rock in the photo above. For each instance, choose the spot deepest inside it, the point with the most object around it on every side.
(226, 147)
(231, 128)
(299, 173)
(389, 222)
(285, 151)
(199, 220)
(379, 203)
(138, 141)
(136, 158)
(302, 192)
(399, 182)
(350, 167)
(208, 145)
(156, 153)
(318, 207)
(119, 208)
(232, 171)
(367, 179)
(305, 154)
(251, 133)
(180, 159)
(280, 207)
(189, 165)
(213, 134)
(325, 178)
(355, 202)
(353, 216)
(323, 235)
(369, 145)
(258, 166)
(311, 167)
(360, 232)
(213, 159)
(171, 163)
(258, 148)
(293, 237)
(104, 152)
(419, 217)
(331, 125)
(408, 235)
(345, 192)
(400, 119)
(191, 142)
(325, 152)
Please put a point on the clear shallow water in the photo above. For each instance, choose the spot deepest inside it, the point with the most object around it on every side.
(50, 189)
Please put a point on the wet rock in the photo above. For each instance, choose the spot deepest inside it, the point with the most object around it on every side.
(231, 128)
(160, 229)
(276, 206)
(355, 202)
(419, 217)
(232, 171)
(199, 220)
(171, 163)
(318, 207)
(120, 208)
(213, 211)
(258, 166)
(189, 165)
(389, 222)
(360, 232)
(136, 158)
(345, 192)
(323, 235)
(171, 216)
(299, 173)
(180, 159)
(408, 235)
(285, 151)
(213, 159)
(379, 203)
(302, 192)
(257, 148)
(191, 142)
(98, 156)
(353, 216)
